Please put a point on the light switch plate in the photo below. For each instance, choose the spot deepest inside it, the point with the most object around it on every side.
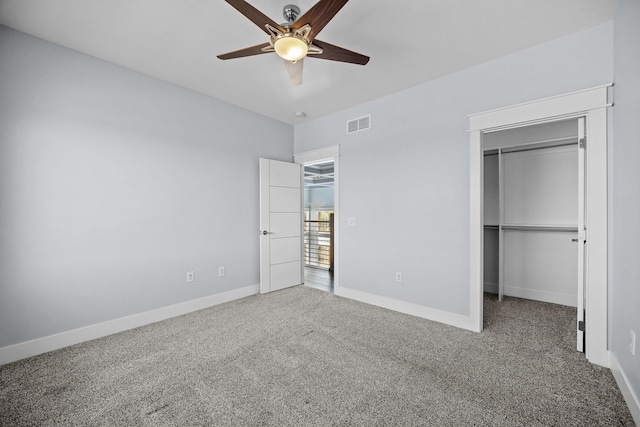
(351, 221)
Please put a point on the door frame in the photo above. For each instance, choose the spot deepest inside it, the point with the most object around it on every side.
(314, 156)
(589, 103)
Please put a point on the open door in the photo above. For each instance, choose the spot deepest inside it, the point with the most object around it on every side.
(280, 225)
(581, 240)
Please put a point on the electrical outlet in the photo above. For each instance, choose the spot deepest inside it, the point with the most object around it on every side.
(221, 271)
(398, 276)
(191, 277)
(632, 342)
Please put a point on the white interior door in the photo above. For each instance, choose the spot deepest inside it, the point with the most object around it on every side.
(501, 222)
(280, 225)
(580, 324)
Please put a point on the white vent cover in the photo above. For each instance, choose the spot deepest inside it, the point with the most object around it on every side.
(359, 124)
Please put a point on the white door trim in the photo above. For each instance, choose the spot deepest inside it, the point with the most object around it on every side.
(591, 104)
(329, 153)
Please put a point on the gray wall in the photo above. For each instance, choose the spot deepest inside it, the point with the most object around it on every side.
(407, 179)
(625, 190)
(113, 185)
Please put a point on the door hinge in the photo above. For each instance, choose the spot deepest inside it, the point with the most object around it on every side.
(583, 142)
(581, 325)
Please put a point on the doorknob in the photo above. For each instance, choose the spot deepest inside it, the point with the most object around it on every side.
(265, 232)
(574, 240)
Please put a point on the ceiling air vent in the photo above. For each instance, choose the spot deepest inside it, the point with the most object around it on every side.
(359, 124)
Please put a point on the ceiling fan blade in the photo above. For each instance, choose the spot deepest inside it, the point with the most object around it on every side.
(336, 53)
(254, 15)
(319, 16)
(247, 51)
(295, 71)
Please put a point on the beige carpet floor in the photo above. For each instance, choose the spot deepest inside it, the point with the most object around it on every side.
(304, 357)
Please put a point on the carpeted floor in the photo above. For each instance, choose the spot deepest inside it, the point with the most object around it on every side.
(304, 357)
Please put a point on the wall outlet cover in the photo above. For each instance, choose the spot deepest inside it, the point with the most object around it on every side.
(191, 277)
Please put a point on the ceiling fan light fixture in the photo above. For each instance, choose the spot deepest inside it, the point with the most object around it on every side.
(290, 47)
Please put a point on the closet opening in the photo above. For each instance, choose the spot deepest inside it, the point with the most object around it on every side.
(592, 106)
(534, 216)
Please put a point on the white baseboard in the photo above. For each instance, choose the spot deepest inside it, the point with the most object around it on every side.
(627, 392)
(538, 295)
(453, 319)
(533, 294)
(64, 339)
(491, 288)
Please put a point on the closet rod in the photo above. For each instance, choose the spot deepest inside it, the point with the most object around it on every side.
(519, 150)
(535, 145)
(539, 228)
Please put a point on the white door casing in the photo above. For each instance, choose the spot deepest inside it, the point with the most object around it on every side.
(281, 263)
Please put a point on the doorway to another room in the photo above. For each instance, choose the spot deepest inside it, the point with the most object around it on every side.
(319, 224)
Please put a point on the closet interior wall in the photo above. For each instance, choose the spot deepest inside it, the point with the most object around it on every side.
(530, 212)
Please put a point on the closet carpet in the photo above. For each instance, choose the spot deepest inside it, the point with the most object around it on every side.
(304, 357)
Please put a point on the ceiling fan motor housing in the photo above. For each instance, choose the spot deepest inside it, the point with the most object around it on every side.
(291, 12)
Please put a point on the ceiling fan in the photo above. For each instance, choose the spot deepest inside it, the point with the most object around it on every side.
(296, 39)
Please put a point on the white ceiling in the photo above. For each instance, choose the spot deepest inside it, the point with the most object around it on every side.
(409, 43)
